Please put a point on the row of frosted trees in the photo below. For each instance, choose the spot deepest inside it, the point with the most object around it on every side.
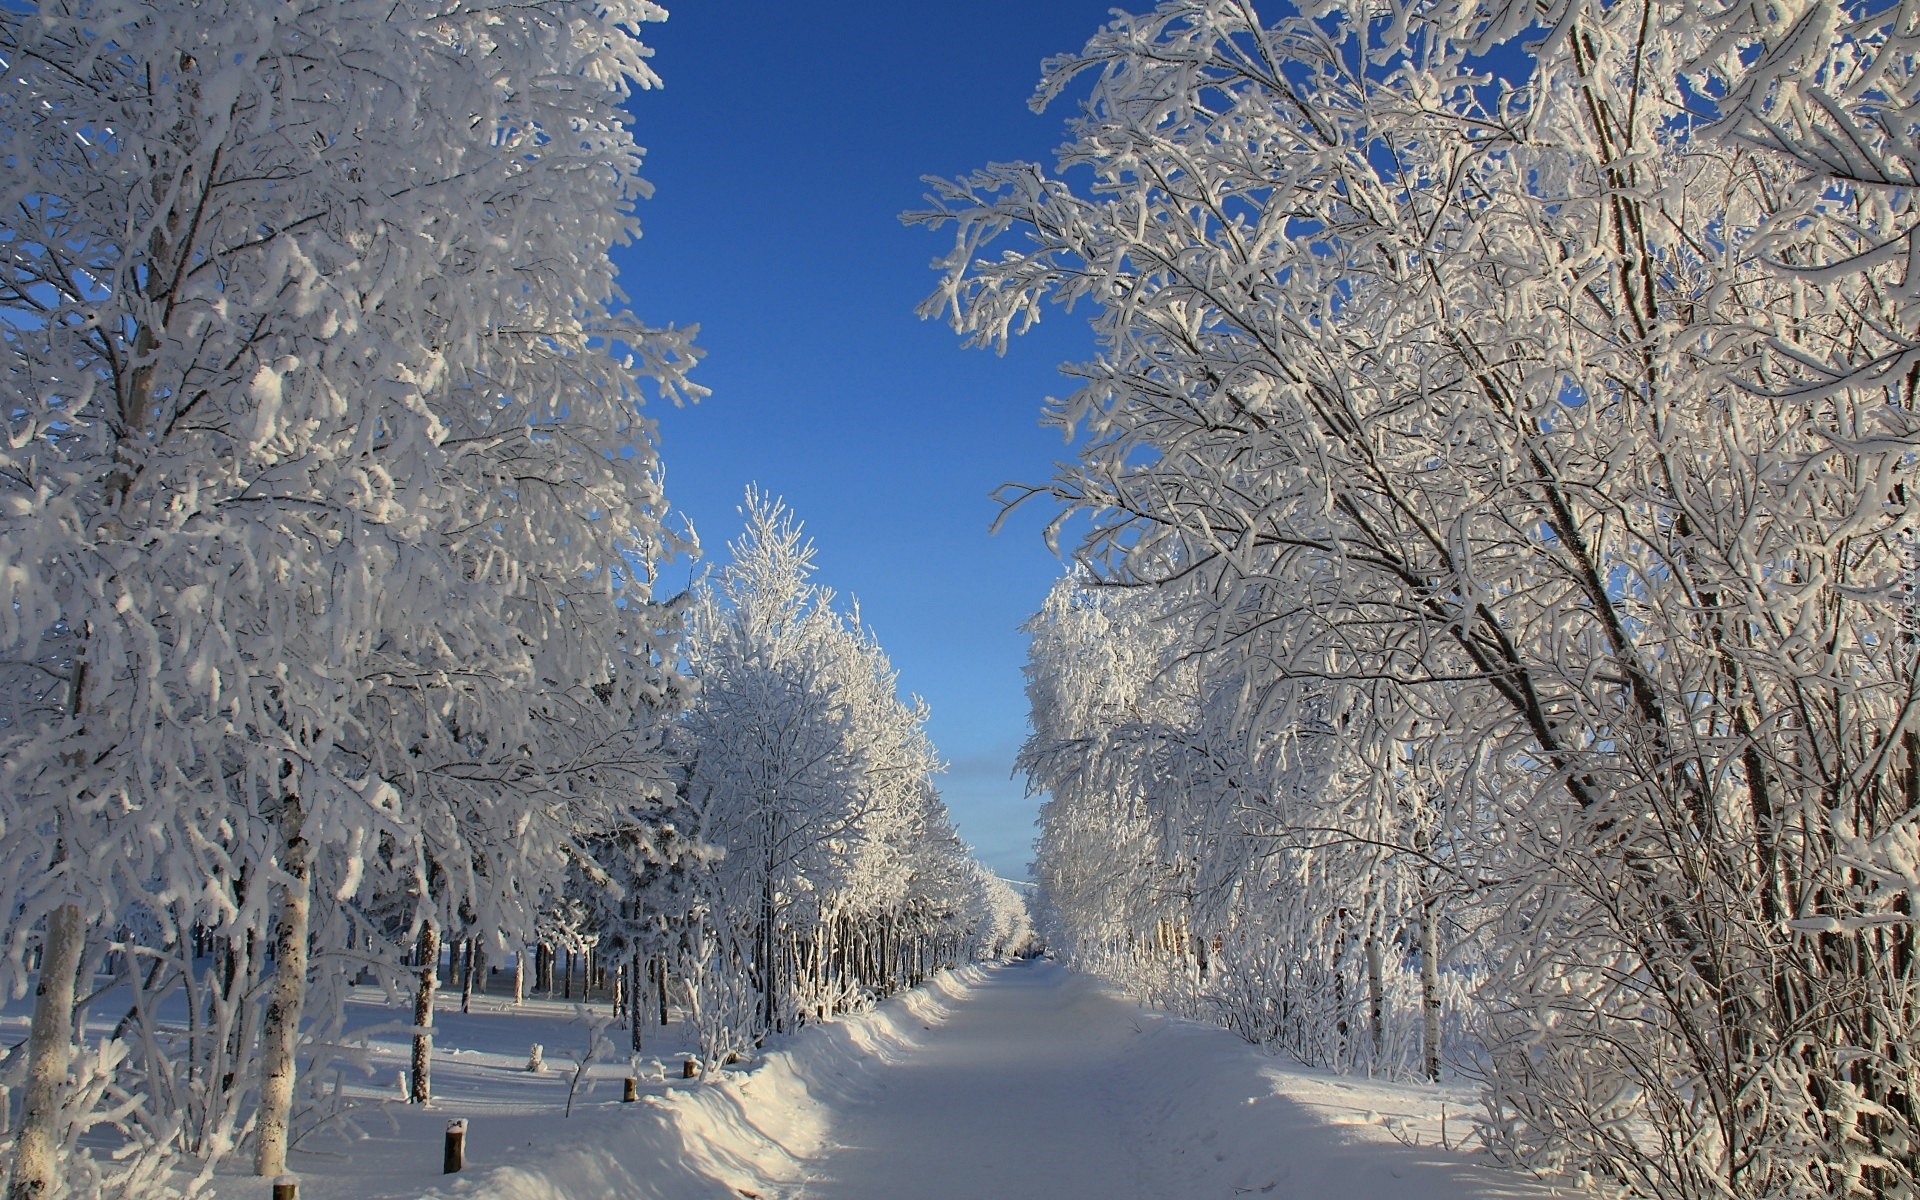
(1252, 879)
(328, 523)
(1499, 592)
(842, 877)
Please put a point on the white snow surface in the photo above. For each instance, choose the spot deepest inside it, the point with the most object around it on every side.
(1013, 1081)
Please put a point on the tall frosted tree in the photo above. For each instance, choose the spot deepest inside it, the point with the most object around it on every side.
(312, 521)
(1557, 408)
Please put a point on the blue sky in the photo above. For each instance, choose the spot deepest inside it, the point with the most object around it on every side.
(787, 141)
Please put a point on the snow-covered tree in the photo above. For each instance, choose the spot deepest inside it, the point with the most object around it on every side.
(311, 538)
(1233, 861)
(1551, 413)
(638, 893)
(1002, 923)
(841, 877)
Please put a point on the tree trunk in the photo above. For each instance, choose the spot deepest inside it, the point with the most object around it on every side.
(49, 1053)
(765, 950)
(280, 1034)
(420, 1088)
(475, 976)
(636, 999)
(660, 978)
(1341, 1026)
(520, 977)
(1429, 988)
(1376, 998)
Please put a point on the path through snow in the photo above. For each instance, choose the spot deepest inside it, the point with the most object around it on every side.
(1022, 1090)
(1040, 1084)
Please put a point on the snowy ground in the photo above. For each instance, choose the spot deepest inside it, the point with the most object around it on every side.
(1035, 1082)
(1021, 1081)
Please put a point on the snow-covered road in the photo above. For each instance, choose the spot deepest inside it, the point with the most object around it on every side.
(1039, 1084)
(1022, 1091)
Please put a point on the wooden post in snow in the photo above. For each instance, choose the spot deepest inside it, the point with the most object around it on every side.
(455, 1156)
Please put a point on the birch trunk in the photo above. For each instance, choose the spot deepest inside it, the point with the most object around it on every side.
(467, 975)
(280, 1035)
(1429, 990)
(49, 1055)
(636, 999)
(420, 1088)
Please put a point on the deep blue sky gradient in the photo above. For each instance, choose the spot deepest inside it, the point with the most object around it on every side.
(784, 146)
